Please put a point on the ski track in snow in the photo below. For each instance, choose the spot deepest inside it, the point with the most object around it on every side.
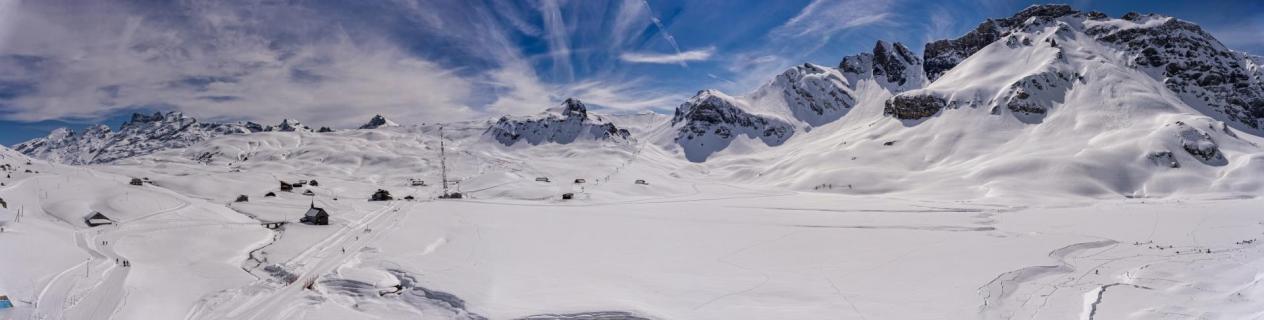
(105, 291)
(261, 299)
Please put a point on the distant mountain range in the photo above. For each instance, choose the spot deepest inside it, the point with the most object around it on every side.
(1049, 92)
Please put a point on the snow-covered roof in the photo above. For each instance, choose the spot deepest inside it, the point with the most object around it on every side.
(312, 212)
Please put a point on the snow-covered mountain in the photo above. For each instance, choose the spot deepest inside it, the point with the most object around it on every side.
(1051, 103)
(379, 121)
(564, 124)
(143, 134)
(1189, 61)
(711, 120)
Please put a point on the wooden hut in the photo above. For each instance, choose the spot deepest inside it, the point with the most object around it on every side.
(96, 219)
(381, 195)
(315, 215)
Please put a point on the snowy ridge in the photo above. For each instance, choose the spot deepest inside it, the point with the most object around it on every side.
(943, 55)
(143, 134)
(286, 125)
(565, 124)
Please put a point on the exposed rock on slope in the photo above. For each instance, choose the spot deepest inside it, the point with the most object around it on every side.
(1190, 62)
(895, 67)
(709, 121)
(565, 124)
(914, 106)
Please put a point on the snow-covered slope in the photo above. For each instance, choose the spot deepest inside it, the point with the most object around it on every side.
(1189, 61)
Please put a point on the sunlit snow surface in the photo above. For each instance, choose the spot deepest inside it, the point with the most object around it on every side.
(685, 246)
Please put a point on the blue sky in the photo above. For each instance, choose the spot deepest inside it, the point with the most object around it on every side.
(336, 63)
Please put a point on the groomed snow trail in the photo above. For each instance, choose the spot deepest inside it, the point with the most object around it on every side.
(272, 298)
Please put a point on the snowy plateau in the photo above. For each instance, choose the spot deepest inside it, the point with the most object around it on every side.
(1056, 164)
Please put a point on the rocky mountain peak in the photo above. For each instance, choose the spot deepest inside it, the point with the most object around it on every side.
(710, 120)
(893, 65)
(144, 118)
(564, 124)
(289, 126)
(572, 107)
(378, 121)
(1040, 10)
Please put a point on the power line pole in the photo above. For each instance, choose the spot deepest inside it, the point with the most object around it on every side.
(443, 163)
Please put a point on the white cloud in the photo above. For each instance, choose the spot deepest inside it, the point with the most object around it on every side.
(104, 59)
(558, 39)
(632, 18)
(822, 19)
(692, 55)
(229, 60)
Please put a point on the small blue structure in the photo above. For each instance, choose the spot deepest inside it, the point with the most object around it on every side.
(5, 303)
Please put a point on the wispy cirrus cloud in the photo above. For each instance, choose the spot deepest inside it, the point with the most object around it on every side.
(797, 39)
(822, 20)
(669, 58)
